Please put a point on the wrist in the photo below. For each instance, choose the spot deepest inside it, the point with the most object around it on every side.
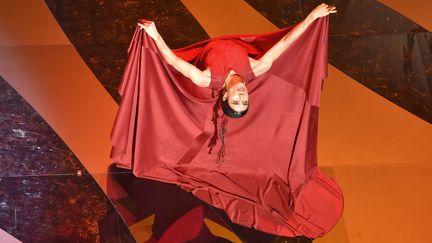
(311, 17)
(158, 38)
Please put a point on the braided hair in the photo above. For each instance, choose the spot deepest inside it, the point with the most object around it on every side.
(215, 117)
(227, 111)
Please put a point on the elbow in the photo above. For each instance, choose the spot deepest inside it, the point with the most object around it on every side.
(200, 79)
(172, 61)
(267, 66)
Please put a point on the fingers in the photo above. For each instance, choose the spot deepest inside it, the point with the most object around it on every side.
(146, 24)
(330, 8)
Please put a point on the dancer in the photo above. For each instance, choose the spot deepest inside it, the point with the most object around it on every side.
(178, 105)
(235, 98)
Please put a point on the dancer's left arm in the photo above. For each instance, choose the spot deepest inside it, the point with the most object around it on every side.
(262, 65)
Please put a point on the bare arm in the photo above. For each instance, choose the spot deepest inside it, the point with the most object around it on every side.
(262, 65)
(198, 77)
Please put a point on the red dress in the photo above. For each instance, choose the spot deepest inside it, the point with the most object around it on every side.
(269, 178)
(223, 55)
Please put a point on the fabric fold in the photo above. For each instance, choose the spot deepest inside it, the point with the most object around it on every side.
(269, 179)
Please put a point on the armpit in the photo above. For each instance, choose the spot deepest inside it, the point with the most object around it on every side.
(258, 67)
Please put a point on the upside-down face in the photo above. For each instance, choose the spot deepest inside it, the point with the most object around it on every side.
(237, 94)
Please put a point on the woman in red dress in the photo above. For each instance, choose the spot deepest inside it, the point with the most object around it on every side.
(265, 173)
(235, 98)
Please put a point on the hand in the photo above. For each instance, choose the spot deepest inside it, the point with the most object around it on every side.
(323, 10)
(150, 28)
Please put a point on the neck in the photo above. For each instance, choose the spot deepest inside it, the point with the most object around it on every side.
(234, 79)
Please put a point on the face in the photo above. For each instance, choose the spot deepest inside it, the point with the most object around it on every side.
(237, 95)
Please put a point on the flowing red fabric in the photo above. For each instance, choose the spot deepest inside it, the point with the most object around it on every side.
(269, 179)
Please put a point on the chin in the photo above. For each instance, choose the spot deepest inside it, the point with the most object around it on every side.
(238, 85)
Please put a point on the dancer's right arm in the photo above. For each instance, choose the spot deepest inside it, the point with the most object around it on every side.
(198, 77)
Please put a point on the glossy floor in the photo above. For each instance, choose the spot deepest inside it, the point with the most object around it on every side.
(373, 136)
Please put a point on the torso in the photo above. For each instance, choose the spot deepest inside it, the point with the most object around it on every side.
(224, 58)
(227, 78)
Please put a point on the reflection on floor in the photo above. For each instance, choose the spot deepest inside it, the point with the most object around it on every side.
(47, 195)
(162, 212)
(45, 192)
(43, 198)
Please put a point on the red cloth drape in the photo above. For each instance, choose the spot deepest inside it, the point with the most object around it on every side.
(269, 179)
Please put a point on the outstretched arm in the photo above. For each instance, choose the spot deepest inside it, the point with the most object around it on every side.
(262, 65)
(198, 77)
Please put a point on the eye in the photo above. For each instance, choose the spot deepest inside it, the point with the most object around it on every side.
(235, 102)
(245, 103)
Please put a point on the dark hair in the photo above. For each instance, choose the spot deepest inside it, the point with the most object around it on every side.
(227, 111)
(230, 111)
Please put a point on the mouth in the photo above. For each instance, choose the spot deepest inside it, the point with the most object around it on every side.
(241, 89)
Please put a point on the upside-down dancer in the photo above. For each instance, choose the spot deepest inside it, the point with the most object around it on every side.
(256, 99)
